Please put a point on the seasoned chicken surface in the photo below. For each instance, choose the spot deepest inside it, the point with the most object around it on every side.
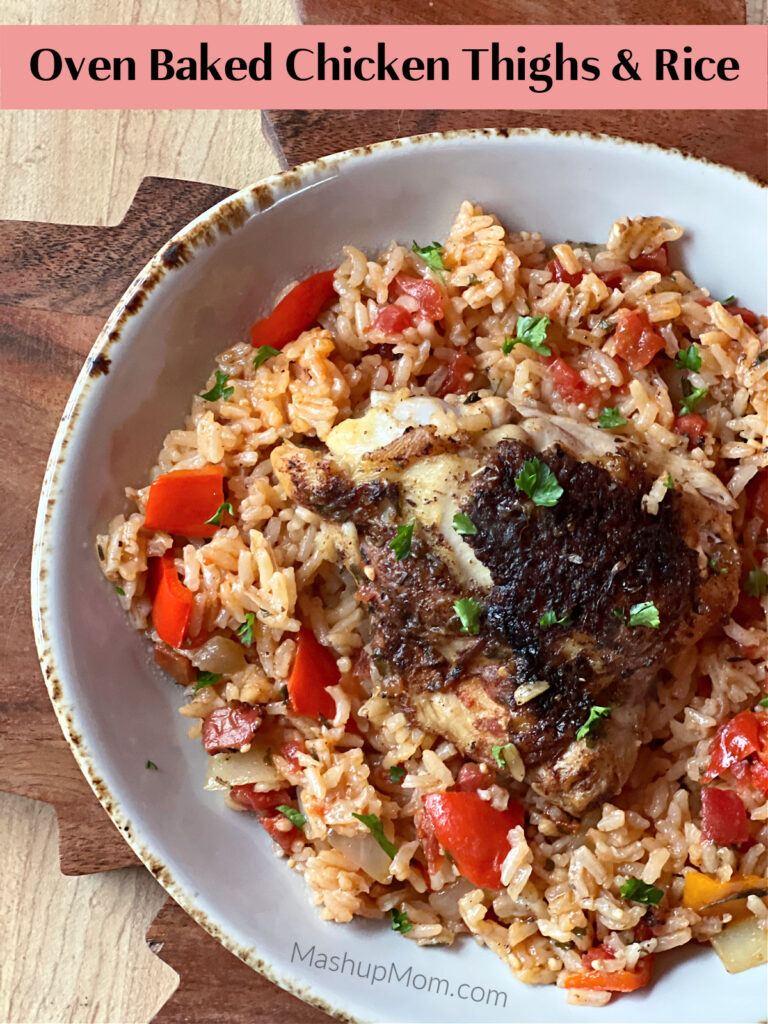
(510, 624)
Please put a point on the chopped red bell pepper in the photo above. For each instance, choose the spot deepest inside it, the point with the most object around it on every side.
(392, 319)
(296, 312)
(180, 502)
(612, 981)
(637, 343)
(749, 318)
(230, 728)
(474, 833)
(569, 383)
(426, 832)
(248, 797)
(426, 293)
(735, 741)
(461, 369)
(723, 817)
(693, 425)
(171, 601)
(559, 273)
(314, 670)
(656, 259)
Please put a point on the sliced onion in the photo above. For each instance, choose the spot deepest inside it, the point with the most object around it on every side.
(242, 770)
(365, 853)
(741, 946)
(219, 654)
(446, 901)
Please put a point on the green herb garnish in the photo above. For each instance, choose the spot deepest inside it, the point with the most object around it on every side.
(539, 482)
(401, 542)
(549, 618)
(606, 325)
(400, 922)
(757, 583)
(764, 702)
(373, 823)
(562, 945)
(245, 630)
(219, 390)
(691, 401)
(120, 591)
(714, 559)
(468, 611)
(295, 817)
(610, 418)
(579, 932)
(215, 519)
(669, 481)
(644, 614)
(531, 331)
(263, 353)
(471, 398)
(396, 773)
(152, 766)
(206, 679)
(594, 723)
(689, 358)
(504, 755)
(464, 525)
(432, 256)
(728, 301)
(640, 892)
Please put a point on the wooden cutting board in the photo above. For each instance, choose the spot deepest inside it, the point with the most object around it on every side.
(57, 285)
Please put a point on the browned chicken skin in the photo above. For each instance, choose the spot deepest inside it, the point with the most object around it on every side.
(589, 559)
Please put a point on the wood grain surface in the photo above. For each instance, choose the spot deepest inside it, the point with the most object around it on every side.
(72, 948)
(524, 12)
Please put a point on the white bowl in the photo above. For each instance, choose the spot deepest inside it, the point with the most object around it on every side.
(117, 710)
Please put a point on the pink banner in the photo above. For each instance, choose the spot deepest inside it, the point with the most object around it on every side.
(413, 67)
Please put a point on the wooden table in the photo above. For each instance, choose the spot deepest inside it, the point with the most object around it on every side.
(78, 950)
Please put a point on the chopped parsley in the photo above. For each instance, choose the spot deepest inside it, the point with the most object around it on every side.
(606, 325)
(373, 823)
(263, 353)
(504, 755)
(644, 614)
(531, 331)
(594, 723)
(610, 418)
(396, 773)
(468, 611)
(151, 765)
(640, 892)
(432, 256)
(295, 817)
(562, 945)
(245, 629)
(323, 721)
(549, 618)
(400, 922)
(689, 358)
(669, 481)
(206, 679)
(215, 519)
(401, 542)
(120, 591)
(474, 279)
(713, 566)
(219, 390)
(464, 525)
(764, 702)
(539, 482)
(471, 398)
(757, 583)
(728, 301)
(691, 401)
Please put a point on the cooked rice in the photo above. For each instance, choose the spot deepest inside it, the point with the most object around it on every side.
(562, 878)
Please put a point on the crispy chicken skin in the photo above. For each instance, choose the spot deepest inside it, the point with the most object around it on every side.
(589, 558)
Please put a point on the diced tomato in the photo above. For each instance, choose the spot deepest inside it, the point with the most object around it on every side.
(296, 312)
(612, 981)
(723, 817)
(171, 601)
(569, 383)
(290, 750)
(636, 341)
(175, 664)
(274, 824)
(471, 777)
(559, 273)
(230, 728)
(613, 278)
(247, 796)
(314, 670)
(392, 319)
(757, 495)
(656, 259)
(426, 832)
(426, 293)
(474, 833)
(758, 772)
(460, 371)
(693, 425)
(735, 741)
(746, 315)
(180, 502)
